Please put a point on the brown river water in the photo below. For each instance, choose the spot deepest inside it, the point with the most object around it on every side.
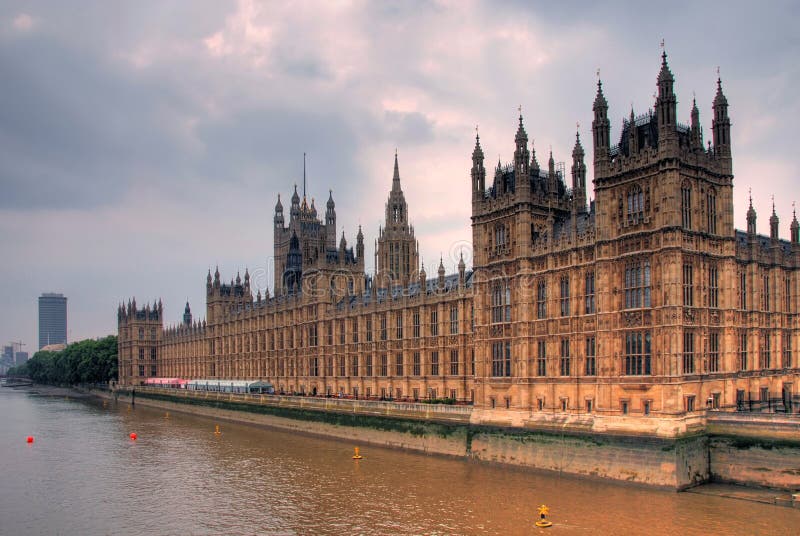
(83, 475)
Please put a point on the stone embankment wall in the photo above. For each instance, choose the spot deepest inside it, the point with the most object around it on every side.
(757, 449)
(760, 450)
(672, 463)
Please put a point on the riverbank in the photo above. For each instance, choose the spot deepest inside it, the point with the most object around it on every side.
(672, 463)
(743, 493)
(52, 390)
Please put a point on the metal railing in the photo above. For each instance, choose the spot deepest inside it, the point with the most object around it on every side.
(322, 403)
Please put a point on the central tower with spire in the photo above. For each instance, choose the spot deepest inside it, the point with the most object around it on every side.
(397, 251)
(308, 245)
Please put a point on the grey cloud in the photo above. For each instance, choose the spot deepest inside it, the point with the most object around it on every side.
(74, 130)
(408, 128)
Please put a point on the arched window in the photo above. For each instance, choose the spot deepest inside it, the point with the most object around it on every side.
(501, 302)
(637, 285)
(711, 210)
(635, 204)
(686, 205)
(499, 238)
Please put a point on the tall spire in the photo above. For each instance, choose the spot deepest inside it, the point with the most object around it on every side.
(396, 177)
(304, 175)
(794, 228)
(396, 254)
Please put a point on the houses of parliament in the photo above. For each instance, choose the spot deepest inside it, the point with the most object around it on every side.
(644, 302)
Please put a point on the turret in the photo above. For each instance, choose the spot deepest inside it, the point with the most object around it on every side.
(294, 211)
(696, 130)
(360, 245)
(279, 214)
(633, 135)
(187, 315)
(794, 229)
(247, 284)
(534, 166)
(208, 281)
(601, 127)
(441, 274)
(578, 177)
(721, 126)
(330, 221)
(773, 223)
(478, 171)
(423, 278)
(521, 154)
(552, 180)
(666, 103)
(462, 269)
(751, 219)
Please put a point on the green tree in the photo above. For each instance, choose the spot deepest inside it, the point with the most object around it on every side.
(88, 361)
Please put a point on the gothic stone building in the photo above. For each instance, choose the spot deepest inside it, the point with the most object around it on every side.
(645, 302)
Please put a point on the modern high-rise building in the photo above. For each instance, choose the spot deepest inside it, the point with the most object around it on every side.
(52, 319)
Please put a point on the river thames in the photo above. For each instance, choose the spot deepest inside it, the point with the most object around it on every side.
(83, 475)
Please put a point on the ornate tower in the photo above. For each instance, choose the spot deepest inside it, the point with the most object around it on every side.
(666, 108)
(659, 176)
(521, 158)
(478, 172)
(578, 177)
(397, 251)
(330, 221)
(140, 333)
(721, 126)
(601, 130)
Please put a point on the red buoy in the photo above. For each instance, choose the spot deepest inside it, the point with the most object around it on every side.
(133, 436)
(30, 439)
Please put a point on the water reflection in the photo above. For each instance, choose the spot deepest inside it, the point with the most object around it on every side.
(83, 475)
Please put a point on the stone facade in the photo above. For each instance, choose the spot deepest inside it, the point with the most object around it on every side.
(644, 305)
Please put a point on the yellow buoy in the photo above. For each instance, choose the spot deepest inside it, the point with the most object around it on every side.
(216, 430)
(357, 456)
(543, 522)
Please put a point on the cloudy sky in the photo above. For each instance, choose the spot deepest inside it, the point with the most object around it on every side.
(142, 143)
